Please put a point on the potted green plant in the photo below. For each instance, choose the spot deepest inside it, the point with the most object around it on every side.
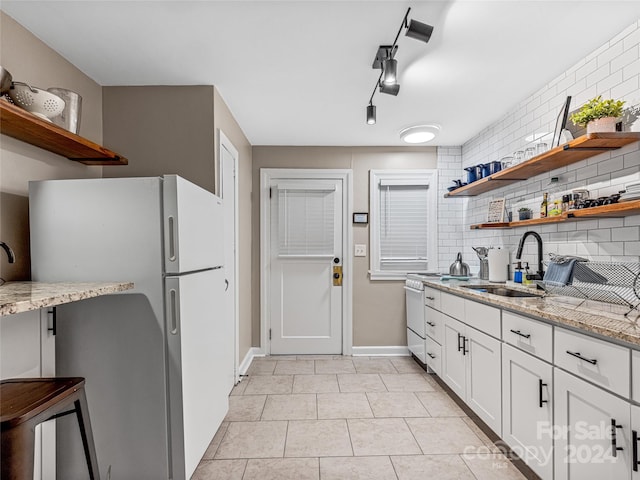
(599, 115)
(524, 213)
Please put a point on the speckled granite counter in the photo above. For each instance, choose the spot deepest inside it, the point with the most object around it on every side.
(17, 297)
(598, 318)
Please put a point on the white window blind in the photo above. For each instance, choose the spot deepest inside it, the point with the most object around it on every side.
(305, 221)
(403, 227)
(403, 224)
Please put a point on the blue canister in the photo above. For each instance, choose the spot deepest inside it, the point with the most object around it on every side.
(495, 167)
(471, 174)
(486, 169)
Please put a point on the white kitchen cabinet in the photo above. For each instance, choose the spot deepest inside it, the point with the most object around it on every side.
(592, 431)
(527, 334)
(453, 357)
(452, 305)
(27, 349)
(433, 353)
(604, 363)
(471, 368)
(527, 409)
(434, 324)
(483, 388)
(483, 317)
(635, 447)
(635, 375)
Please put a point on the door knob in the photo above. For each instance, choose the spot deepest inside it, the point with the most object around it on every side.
(336, 276)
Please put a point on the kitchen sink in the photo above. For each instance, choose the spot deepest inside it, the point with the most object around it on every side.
(502, 291)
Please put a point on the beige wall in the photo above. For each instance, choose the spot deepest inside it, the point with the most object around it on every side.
(30, 60)
(162, 130)
(378, 307)
(225, 122)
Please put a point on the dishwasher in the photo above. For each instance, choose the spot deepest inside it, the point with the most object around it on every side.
(416, 331)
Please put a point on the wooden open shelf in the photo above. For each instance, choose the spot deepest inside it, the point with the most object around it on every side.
(616, 210)
(20, 124)
(582, 147)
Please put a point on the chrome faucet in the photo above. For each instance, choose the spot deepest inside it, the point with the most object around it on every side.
(540, 273)
(10, 254)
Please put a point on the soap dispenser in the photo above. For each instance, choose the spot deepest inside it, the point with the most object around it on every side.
(517, 275)
(527, 273)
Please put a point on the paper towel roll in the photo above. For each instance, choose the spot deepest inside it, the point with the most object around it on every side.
(498, 264)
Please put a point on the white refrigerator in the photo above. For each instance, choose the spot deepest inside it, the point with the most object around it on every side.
(158, 359)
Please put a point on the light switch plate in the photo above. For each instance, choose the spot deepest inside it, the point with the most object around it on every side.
(360, 250)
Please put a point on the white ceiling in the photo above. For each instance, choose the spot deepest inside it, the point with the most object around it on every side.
(299, 72)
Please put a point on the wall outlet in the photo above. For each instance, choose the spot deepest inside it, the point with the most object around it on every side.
(360, 250)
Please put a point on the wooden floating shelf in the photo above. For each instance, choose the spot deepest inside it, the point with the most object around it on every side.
(20, 124)
(576, 150)
(616, 210)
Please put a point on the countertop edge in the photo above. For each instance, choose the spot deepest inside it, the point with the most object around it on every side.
(19, 297)
(622, 331)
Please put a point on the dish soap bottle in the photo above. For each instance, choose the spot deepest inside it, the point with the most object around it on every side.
(525, 278)
(517, 275)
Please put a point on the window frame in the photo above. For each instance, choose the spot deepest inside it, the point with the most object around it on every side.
(420, 176)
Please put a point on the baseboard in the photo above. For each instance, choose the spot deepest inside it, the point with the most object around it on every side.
(248, 358)
(385, 351)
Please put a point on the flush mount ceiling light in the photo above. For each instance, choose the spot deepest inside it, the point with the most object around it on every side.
(419, 133)
(385, 61)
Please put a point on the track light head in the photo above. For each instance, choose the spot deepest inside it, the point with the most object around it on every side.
(371, 114)
(389, 89)
(390, 71)
(419, 31)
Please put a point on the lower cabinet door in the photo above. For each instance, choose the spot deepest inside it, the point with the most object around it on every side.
(527, 407)
(483, 379)
(592, 431)
(635, 446)
(453, 356)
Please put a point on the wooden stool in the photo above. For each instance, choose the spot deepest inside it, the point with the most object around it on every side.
(27, 402)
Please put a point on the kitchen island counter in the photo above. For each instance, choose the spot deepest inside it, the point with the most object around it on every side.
(17, 297)
(606, 320)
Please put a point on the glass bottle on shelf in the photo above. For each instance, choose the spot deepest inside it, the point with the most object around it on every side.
(544, 205)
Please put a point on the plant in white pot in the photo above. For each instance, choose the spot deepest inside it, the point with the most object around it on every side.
(599, 115)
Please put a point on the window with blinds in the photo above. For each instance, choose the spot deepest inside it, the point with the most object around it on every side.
(403, 222)
(305, 221)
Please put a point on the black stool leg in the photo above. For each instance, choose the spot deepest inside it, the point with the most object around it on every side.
(82, 412)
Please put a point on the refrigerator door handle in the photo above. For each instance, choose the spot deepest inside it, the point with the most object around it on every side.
(172, 239)
(174, 313)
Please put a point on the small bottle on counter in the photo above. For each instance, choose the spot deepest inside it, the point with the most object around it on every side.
(525, 277)
(544, 205)
(517, 275)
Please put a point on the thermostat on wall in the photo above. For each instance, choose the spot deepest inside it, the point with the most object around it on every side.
(361, 218)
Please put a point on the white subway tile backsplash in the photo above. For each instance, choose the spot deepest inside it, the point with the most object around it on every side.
(612, 70)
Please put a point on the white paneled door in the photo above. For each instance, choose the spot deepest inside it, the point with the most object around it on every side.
(305, 269)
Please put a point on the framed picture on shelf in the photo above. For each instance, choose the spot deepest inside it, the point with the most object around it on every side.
(496, 211)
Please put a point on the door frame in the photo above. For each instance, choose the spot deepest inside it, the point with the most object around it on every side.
(346, 175)
(225, 143)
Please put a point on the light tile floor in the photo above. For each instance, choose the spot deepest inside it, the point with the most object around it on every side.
(342, 418)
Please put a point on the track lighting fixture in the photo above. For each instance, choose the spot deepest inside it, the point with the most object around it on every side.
(371, 114)
(385, 61)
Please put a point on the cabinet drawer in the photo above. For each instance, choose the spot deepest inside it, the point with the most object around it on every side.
(434, 324)
(452, 306)
(483, 317)
(529, 335)
(603, 363)
(432, 297)
(635, 375)
(416, 345)
(434, 356)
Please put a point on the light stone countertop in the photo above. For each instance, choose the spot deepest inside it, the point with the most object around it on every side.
(606, 320)
(17, 297)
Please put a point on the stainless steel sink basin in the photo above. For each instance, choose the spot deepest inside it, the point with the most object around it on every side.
(502, 291)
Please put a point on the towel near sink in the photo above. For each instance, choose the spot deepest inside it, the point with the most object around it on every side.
(560, 274)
